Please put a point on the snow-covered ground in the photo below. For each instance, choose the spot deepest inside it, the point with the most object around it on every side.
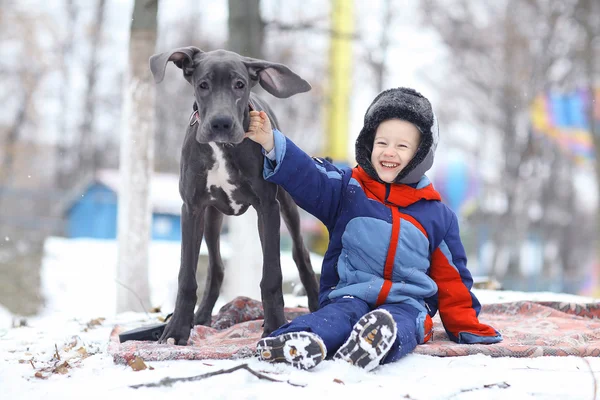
(75, 325)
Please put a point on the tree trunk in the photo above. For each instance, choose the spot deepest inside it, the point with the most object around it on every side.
(246, 28)
(136, 163)
(87, 151)
(244, 268)
(588, 12)
(63, 172)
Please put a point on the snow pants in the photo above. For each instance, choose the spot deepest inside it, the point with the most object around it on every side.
(334, 321)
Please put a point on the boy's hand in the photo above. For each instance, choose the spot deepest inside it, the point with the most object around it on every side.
(260, 130)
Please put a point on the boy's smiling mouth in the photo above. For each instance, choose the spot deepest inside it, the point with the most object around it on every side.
(391, 165)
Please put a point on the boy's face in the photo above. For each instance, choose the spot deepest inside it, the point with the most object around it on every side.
(396, 142)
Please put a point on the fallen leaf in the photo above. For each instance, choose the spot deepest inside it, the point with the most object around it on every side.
(95, 322)
(40, 375)
(62, 368)
(137, 364)
(83, 352)
(336, 380)
(70, 345)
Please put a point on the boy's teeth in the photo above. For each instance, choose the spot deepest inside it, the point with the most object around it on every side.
(389, 165)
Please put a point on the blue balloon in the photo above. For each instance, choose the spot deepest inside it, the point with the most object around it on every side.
(455, 182)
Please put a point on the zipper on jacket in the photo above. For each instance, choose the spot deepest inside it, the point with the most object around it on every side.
(390, 258)
(427, 306)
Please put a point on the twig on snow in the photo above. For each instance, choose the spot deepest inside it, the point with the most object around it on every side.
(499, 385)
(593, 376)
(169, 381)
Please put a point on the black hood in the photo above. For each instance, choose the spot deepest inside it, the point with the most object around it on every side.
(408, 105)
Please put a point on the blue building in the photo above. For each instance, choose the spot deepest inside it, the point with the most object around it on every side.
(94, 213)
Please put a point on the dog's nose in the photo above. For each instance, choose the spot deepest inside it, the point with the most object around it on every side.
(221, 124)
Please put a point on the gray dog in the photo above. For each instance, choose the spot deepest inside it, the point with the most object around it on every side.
(221, 173)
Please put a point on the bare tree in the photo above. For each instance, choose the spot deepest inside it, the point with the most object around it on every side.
(376, 57)
(292, 38)
(136, 163)
(64, 161)
(587, 16)
(23, 225)
(503, 55)
(245, 265)
(87, 151)
(245, 27)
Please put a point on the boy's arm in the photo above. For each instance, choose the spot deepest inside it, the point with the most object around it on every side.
(458, 306)
(316, 188)
(314, 184)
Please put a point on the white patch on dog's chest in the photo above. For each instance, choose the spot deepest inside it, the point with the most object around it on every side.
(218, 176)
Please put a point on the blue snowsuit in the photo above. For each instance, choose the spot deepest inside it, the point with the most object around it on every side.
(392, 246)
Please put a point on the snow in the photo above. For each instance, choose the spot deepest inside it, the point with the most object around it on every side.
(6, 319)
(68, 263)
(79, 288)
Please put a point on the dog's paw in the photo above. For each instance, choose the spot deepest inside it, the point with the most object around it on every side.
(175, 333)
(202, 318)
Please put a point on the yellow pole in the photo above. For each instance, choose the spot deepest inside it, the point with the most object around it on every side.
(340, 78)
(338, 106)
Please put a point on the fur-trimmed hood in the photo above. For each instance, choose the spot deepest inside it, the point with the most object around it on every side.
(408, 105)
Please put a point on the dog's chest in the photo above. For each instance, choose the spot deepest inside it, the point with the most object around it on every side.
(219, 180)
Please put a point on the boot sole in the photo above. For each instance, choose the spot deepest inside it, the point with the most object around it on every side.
(300, 349)
(370, 340)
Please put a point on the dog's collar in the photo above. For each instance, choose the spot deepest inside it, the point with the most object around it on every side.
(195, 117)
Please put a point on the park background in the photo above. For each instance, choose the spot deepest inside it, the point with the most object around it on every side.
(514, 84)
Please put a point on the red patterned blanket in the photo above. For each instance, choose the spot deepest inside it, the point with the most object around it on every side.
(530, 329)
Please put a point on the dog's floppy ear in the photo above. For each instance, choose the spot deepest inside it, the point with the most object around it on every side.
(183, 57)
(276, 79)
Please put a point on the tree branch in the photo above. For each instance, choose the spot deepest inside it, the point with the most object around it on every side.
(169, 381)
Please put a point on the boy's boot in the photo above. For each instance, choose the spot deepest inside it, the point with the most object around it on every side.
(304, 350)
(370, 340)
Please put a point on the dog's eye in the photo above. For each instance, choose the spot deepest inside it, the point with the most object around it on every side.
(239, 85)
(203, 85)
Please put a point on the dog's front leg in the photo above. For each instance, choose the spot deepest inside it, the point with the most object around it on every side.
(272, 279)
(214, 279)
(192, 228)
(300, 254)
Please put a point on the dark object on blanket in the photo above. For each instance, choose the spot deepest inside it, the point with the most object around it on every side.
(145, 333)
(221, 173)
(148, 332)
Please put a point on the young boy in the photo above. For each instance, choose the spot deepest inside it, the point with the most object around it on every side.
(394, 256)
